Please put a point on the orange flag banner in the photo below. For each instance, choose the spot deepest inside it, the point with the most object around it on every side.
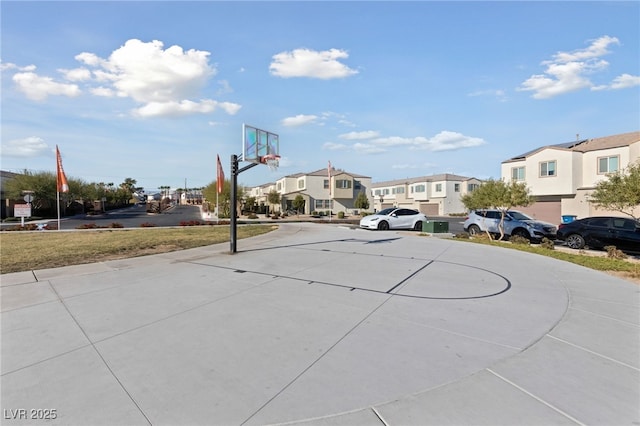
(63, 185)
(220, 177)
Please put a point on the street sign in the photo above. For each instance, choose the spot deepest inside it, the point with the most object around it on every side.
(28, 198)
(22, 210)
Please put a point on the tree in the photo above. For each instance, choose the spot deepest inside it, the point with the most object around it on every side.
(273, 197)
(41, 186)
(499, 195)
(210, 193)
(620, 191)
(361, 202)
(298, 203)
(250, 204)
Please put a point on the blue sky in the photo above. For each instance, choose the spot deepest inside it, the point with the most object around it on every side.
(155, 90)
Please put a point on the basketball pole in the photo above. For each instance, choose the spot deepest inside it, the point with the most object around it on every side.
(235, 171)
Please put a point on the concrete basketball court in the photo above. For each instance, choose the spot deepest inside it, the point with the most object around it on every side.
(322, 325)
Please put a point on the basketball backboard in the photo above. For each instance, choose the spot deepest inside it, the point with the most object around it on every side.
(257, 143)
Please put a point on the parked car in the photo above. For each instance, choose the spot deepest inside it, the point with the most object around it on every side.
(515, 223)
(394, 218)
(602, 231)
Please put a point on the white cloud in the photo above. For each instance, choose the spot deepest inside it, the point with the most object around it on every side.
(499, 94)
(332, 146)
(225, 88)
(103, 91)
(568, 71)
(163, 81)
(4, 66)
(185, 107)
(443, 141)
(76, 74)
(28, 147)
(597, 48)
(299, 120)
(404, 166)
(39, 88)
(367, 148)
(447, 141)
(324, 65)
(369, 134)
(147, 73)
(90, 59)
(623, 81)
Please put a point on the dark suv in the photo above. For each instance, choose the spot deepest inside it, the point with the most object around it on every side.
(515, 223)
(599, 232)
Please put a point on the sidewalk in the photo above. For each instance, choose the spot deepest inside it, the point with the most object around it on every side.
(322, 325)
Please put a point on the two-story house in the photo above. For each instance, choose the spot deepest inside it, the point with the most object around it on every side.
(561, 176)
(321, 191)
(436, 195)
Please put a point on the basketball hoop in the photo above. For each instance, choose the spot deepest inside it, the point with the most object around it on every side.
(271, 160)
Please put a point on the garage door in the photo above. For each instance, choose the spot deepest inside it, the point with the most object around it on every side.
(547, 211)
(430, 209)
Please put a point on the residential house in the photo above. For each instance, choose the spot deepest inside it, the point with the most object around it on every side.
(321, 191)
(561, 177)
(436, 195)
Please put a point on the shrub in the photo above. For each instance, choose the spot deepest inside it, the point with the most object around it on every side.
(635, 273)
(614, 253)
(190, 223)
(252, 216)
(340, 215)
(462, 235)
(517, 239)
(87, 226)
(547, 244)
(147, 225)
(116, 225)
(482, 236)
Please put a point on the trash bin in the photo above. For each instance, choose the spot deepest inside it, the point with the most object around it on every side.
(434, 227)
(568, 218)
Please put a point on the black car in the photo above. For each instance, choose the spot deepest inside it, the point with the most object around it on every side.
(599, 232)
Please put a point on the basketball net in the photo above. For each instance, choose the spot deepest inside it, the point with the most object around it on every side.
(272, 161)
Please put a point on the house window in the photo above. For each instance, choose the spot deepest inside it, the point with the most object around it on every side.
(472, 187)
(356, 184)
(438, 187)
(547, 168)
(279, 186)
(517, 174)
(399, 190)
(608, 164)
(385, 191)
(301, 184)
(322, 204)
(377, 192)
(456, 187)
(326, 184)
(343, 184)
(420, 188)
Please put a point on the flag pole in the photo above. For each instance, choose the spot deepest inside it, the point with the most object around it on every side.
(58, 204)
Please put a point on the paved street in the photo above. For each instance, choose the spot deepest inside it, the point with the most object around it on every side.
(322, 324)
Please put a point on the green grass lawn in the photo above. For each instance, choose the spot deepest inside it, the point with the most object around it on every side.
(25, 251)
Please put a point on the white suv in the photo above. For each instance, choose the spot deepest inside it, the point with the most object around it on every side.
(515, 223)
